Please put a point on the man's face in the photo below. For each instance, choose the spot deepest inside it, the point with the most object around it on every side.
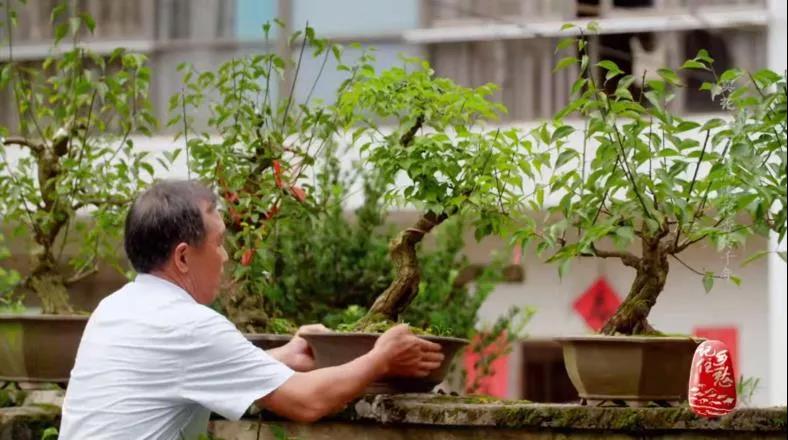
(206, 262)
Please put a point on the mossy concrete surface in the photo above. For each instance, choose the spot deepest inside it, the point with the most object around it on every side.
(27, 422)
(440, 417)
(462, 418)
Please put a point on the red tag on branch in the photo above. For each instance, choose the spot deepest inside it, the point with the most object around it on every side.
(231, 197)
(272, 212)
(246, 258)
(298, 193)
(278, 174)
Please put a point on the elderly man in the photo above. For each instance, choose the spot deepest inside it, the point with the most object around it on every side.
(155, 360)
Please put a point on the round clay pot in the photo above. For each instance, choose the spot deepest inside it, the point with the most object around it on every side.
(331, 349)
(39, 348)
(267, 341)
(629, 369)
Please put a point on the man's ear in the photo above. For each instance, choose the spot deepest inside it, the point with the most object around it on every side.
(180, 257)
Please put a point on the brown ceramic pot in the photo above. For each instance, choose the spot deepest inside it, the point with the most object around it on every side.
(267, 341)
(333, 349)
(629, 369)
(39, 348)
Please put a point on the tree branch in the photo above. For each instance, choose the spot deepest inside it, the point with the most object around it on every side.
(81, 276)
(695, 270)
(23, 142)
(692, 183)
(407, 138)
(688, 243)
(97, 201)
(627, 258)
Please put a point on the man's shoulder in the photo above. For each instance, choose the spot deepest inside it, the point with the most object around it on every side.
(152, 305)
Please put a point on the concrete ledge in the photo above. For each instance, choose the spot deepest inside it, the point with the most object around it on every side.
(438, 417)
(472, 411)
(27, 422)
(464, 418)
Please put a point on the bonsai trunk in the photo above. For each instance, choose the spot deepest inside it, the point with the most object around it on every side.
(46, 280)
(403, 289)
(631, 318)
(50, 287)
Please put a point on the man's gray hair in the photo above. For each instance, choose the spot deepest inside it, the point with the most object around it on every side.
(163, 216)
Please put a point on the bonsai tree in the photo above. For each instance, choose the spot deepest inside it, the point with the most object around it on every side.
(299, 258)
(76, 112)
(432, 158)
(258, 150)
(642, 184)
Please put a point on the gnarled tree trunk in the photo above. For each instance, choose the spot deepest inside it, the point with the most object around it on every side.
(403, 289)
(631, 318)
(50, 286)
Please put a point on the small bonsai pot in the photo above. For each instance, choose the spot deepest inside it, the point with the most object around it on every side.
(333, 349)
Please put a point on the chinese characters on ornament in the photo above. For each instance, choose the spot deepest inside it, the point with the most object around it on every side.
(712, 385)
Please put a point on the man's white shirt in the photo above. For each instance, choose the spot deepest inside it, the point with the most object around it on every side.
(153, 364)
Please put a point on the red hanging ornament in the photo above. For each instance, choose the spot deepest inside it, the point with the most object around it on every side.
(712, 385)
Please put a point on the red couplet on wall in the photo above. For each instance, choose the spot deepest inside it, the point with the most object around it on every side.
(495, 384)
(597, 304)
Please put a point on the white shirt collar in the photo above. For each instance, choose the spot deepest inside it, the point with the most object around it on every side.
(146, 279)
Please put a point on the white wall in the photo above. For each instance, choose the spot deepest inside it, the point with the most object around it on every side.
(778, 340)
(778, 357)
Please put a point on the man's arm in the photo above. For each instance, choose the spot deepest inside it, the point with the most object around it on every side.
(306, 397)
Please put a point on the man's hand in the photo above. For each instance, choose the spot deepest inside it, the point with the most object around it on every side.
(307, 397)
(405, 354)
(297, 354)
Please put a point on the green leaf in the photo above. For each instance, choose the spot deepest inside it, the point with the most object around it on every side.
(57, 11)
(669, 76)
(753, 257)
(627, 233)
(565, 157)
(561, 132)
(564, 63)
(708, 281)
(712, 124)
(692, 64)
(730, 75)
(782, 255)
(564, 43)
(735, 280)
(566, 26)
(90, 23)
(609, 66)
(563, 267)
(703, 55)
(593, 27)
(61, 31)
(50, 433)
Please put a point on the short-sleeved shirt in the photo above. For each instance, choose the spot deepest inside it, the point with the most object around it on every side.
(153, 364)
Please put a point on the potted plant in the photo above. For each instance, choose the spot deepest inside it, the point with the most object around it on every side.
(431, 157)
(641, 186)
(257, 148)
(73, 157)
(267, 148)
